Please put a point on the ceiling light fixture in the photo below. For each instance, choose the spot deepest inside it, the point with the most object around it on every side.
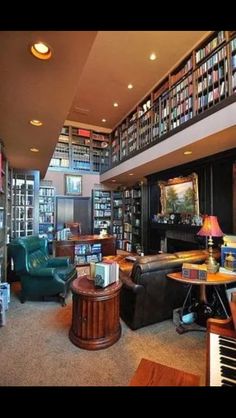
(188, 152)
(41, 51)
(104, 120)
(36, 122)
(131, 174)
(34, 149)
(113, 181)
(130, 86)
(152, 56)
(115, 104)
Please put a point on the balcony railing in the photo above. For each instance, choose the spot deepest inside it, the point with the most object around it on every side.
(203, 90)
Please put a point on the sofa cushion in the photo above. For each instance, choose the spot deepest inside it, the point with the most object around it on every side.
(156, 257)
(191, 254)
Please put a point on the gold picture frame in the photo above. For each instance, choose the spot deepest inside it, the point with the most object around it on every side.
(73, 184)
(180, 195)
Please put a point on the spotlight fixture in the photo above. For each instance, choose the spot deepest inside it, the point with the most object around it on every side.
(130, 86)
(36, 122)
(152, 56)
(34, 149)
(104, 120)
(41, 51)
(115, 104)
(188, 152)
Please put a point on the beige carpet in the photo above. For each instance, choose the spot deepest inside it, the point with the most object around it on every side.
(35, 349)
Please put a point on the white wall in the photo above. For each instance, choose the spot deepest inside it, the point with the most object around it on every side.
(89, 182)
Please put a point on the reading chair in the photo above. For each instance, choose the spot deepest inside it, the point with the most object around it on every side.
(40, 275)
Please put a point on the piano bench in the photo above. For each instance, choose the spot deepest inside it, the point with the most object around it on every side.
(150, 373)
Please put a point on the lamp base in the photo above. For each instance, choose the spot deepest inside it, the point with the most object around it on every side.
(212, 265)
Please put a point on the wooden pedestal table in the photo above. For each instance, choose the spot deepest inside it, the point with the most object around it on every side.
(95, 315)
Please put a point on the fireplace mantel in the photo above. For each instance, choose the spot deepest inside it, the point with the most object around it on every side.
(180, 233)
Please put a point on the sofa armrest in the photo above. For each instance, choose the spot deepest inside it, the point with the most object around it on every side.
(129, 284)
(43, 272)
(58, 262)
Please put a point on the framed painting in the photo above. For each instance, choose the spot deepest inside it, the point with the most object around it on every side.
(180, 195)
(73, 184)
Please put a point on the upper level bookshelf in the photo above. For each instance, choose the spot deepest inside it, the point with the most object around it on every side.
(202, 80)
(81, 150)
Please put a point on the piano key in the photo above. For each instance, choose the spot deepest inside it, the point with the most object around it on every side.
(227, 343)
(228, 352)
(228, 338)
(226, 360)
(217, 353)
(227, 382)
(228, 372)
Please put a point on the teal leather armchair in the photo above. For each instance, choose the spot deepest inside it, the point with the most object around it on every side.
(40, 275)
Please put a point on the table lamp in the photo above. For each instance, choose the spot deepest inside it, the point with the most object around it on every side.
(211, 228)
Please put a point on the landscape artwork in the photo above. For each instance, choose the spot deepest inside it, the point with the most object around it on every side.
(180, 195)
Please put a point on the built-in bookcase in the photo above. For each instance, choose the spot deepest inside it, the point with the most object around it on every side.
(47, 211)
(81, 150)
(101, 208)
(117, 217)
(4, 211)
(25, 208)
(204, 79)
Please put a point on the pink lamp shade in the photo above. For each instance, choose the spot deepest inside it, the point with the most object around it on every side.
(210, 227)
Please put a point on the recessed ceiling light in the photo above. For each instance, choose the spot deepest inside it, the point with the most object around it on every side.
(152, 56)
(34, 149)
(115, 104)
(41, 51)
(36, 122)
(188, 152)
(130, 86)
(113, 181)
(104, 120)
(131, 174)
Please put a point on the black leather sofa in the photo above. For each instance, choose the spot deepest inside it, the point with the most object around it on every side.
(147, 295)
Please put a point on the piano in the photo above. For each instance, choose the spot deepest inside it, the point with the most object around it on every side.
(221, 350)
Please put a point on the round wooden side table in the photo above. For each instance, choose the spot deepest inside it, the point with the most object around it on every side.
(96, 314)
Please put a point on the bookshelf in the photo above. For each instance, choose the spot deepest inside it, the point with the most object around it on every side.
(86, 253)
(46, 211)
(233, 64)
(4, 208)
(145, 123)
(115, 146)
(25, 209)
(204, 78)
(136, 194)
(132, 218)
(81, 150)
(211, 81)
(101, 203)
(132, 132)
(117, 217)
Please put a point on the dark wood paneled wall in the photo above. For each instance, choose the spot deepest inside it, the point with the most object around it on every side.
(216, 186)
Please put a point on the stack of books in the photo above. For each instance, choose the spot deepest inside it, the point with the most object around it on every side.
(194, 271)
